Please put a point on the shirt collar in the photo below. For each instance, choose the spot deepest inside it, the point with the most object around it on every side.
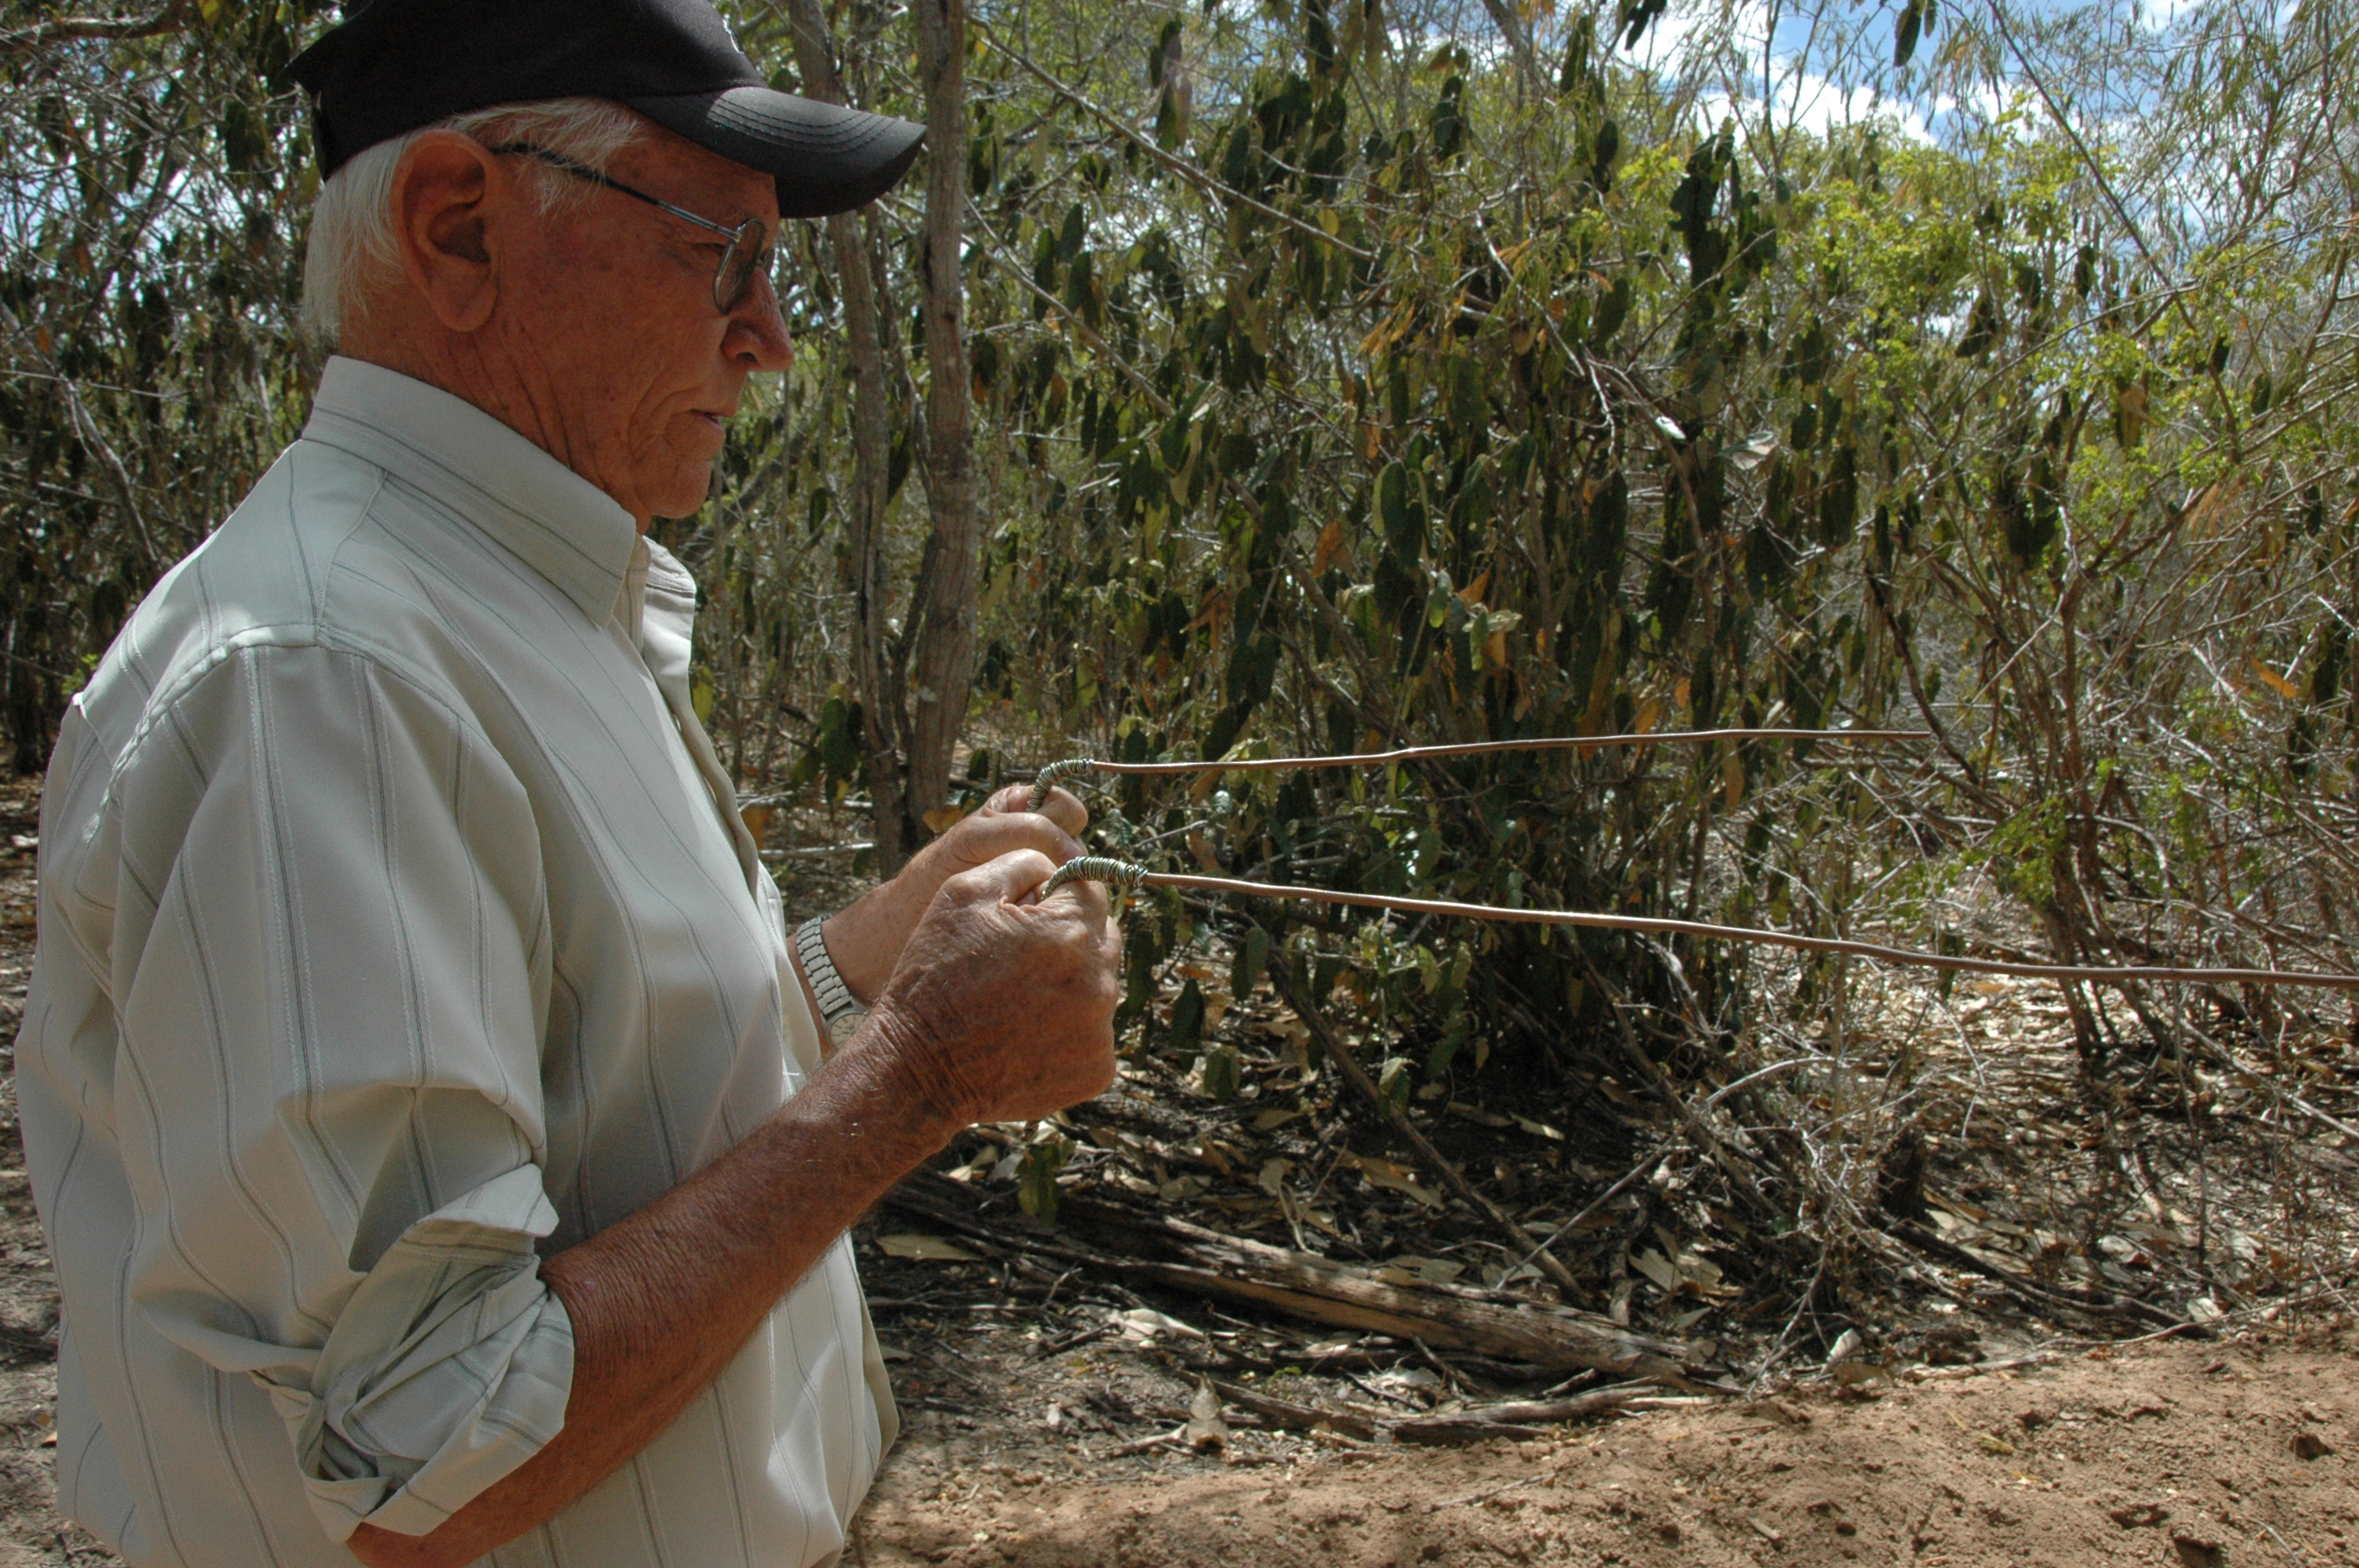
(558, 523)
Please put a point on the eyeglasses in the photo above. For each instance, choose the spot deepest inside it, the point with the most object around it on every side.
(750, 250)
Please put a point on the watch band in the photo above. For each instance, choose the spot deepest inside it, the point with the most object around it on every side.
(840, 1010)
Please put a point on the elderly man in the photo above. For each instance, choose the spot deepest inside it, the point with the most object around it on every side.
(440, 1151)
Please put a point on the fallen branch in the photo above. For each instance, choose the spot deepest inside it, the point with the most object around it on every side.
(1515, 1421)
(2037, 1293)
(1190, 1259)
(1147, 1444)
(1294, 1416)
(1518, 1422)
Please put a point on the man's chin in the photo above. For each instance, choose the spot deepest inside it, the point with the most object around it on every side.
(685, 496)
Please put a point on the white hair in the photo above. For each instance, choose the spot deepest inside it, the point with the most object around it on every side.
(351, 248)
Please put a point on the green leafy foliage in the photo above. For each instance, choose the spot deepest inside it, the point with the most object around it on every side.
(1341, 386)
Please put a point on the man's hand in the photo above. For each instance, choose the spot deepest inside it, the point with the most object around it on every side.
(866, 940)
(1002, 1008)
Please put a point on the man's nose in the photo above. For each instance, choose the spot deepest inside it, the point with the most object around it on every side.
(758, 330)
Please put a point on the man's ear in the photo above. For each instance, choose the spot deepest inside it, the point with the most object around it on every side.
(448, 192)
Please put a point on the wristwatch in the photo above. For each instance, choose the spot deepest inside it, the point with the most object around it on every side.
(839, 1009)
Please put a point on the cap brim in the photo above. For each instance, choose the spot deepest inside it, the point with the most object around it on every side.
(825, 159)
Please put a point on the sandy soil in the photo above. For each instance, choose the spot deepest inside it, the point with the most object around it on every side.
(2180, 1454)
(1026, 1410)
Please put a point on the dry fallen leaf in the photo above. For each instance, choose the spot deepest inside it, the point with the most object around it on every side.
(1851, 1374)
(1657, 1268)
(1392, 1178)
(1207, 1433)
(1146, 1322)
(1407, 1270)
(932, 1248)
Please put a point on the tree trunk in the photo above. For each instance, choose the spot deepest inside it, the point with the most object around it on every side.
(870, 455)
(1510, 23)
(943, 616)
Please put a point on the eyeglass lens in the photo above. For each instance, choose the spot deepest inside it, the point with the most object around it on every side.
(745, 257)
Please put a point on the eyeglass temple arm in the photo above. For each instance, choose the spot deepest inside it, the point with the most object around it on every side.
(584, 171)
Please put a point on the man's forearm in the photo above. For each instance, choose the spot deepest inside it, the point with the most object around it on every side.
(662, 1301)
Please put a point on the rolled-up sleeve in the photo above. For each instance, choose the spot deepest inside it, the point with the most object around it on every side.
(327, 1081)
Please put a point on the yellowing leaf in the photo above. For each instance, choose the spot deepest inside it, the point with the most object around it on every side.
(2204, 511)
(2274, 681)
(1331, 544)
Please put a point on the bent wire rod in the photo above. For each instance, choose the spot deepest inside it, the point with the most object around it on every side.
(1055, 773)
(1123, 874)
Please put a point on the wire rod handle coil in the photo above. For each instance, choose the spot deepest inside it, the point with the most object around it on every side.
(1097, 869)
(1055, 773)
(1121, 874)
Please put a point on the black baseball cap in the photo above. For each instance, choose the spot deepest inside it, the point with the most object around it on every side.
(393, 66)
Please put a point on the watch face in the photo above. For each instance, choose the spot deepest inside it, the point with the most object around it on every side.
(844, 1025)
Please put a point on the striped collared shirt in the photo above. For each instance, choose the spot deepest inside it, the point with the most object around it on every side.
(397, 929)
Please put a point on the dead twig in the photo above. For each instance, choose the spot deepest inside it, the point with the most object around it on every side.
(1281, 976)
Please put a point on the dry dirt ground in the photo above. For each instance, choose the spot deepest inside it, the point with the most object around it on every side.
(1039, 1423)
(2178, 1453)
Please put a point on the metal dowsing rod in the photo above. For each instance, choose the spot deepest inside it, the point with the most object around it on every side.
(1123, 874)
(1055, 773)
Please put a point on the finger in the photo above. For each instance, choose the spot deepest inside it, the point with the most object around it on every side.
(1012, 877)
(1065, 809)
(1095, 904)
(992, 837)
(1007, 802)
(1062, 807)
